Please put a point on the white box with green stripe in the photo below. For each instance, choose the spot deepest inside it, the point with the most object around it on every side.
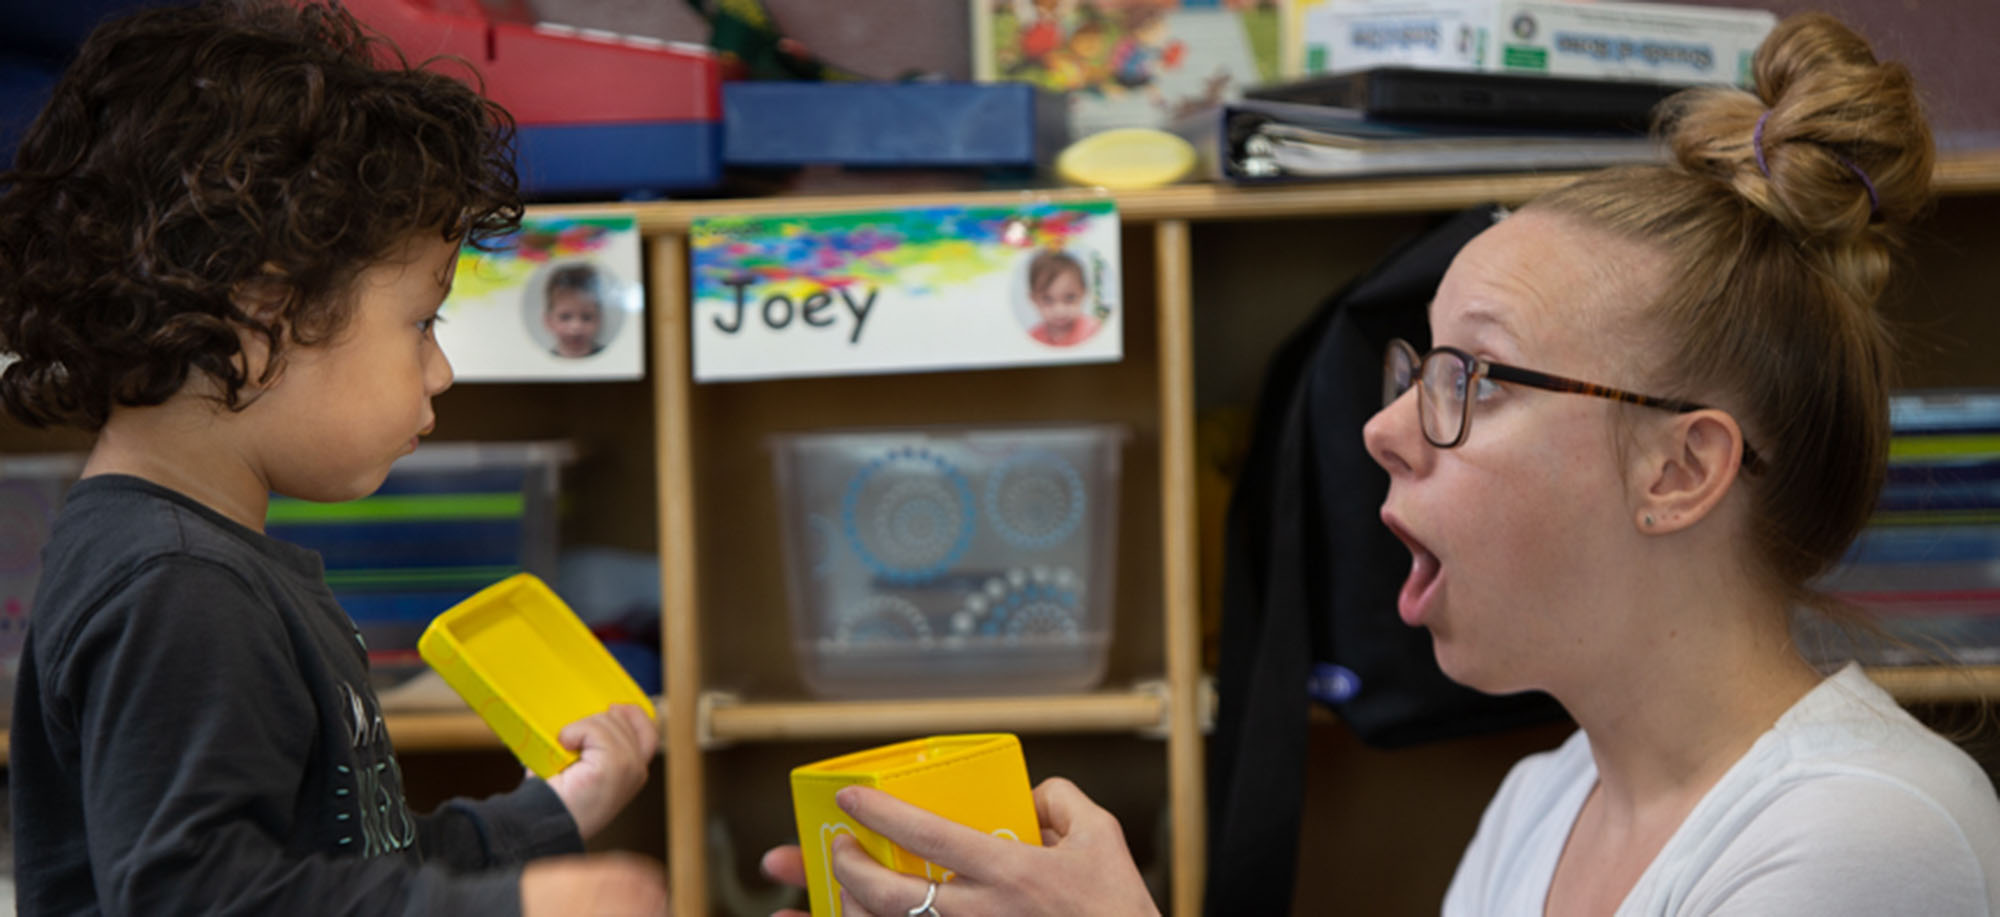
(451, 519)
(1655, 42)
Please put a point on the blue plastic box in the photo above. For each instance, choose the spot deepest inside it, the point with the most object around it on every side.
(618, 159)
(1001, 125)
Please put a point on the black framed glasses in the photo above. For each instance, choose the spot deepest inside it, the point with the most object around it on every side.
(1447, 379)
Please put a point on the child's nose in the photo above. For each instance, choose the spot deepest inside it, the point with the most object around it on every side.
(437, 371)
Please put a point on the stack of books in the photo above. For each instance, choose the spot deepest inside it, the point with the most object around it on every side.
(1401, 121)
(1927, 568)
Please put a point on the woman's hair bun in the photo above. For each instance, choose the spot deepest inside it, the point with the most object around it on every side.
(1832, 143)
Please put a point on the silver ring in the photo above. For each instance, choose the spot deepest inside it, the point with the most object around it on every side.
(926, 909)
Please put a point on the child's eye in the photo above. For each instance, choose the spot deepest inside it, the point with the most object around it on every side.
(429, 324)
(1487, 389)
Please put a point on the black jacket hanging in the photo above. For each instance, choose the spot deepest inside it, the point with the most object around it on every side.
(1310, 582)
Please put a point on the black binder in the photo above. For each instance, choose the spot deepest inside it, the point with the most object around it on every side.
(1514, 100)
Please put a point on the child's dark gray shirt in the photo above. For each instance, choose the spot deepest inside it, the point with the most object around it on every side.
(194, 733)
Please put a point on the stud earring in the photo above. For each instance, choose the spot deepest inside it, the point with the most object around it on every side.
(1648, 520)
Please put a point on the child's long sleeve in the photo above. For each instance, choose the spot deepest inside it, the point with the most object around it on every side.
(194, 734)
(503, 830)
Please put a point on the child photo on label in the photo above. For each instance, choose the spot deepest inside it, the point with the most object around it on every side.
(569, 313)
(549, 302)
(1062, 307)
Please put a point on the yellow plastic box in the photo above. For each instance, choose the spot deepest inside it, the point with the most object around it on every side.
(524, 662)
(975, 780)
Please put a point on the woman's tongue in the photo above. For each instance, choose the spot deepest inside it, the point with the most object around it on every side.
(1420, 588)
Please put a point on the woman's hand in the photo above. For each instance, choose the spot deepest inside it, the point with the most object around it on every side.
(1082, 868)
(612, 884)
(615, 749)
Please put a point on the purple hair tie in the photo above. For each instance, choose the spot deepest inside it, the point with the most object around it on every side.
(1757, 143)
(1874, 203)
(1757, 148)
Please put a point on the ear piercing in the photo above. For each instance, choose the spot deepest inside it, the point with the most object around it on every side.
(1647, 520)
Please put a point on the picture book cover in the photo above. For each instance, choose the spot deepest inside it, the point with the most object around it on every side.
(561, 299)
(1131, 63)
(905, 290)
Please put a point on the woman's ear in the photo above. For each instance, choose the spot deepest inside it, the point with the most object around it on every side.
(1683, 474)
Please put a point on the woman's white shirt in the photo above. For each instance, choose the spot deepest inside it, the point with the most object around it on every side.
(1847, 806)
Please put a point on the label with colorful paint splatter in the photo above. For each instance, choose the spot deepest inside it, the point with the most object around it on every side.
(560, 299)
(907, 290)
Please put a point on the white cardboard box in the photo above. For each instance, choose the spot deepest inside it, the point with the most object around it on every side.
(1342, 35)
(1659, 42)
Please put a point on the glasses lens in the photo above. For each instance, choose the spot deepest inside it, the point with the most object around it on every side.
(1445, 379)
(1399, 371)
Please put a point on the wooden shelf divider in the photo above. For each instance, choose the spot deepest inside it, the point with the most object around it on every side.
(1939, 684)
(726, 719)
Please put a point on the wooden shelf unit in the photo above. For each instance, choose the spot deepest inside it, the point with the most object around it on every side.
(1159, 688)
(719, 468)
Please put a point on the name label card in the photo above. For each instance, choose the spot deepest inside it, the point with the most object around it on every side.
(560, 300)
(906, 290)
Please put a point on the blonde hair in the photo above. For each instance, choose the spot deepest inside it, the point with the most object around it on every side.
(1779, 215)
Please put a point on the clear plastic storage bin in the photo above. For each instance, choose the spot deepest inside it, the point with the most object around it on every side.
(950, 561)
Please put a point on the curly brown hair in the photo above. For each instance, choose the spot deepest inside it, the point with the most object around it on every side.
(226, 168)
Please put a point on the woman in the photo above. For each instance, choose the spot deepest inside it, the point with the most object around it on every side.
(1633, 543)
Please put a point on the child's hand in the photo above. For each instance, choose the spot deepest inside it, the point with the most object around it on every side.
(612, 883)
(615, 749)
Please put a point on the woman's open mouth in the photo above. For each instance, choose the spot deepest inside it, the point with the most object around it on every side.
(1421, 587)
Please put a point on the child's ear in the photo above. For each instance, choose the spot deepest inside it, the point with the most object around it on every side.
(260, 325)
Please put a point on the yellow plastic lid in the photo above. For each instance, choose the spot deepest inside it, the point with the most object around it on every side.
(528, 666)
(1126, 159)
